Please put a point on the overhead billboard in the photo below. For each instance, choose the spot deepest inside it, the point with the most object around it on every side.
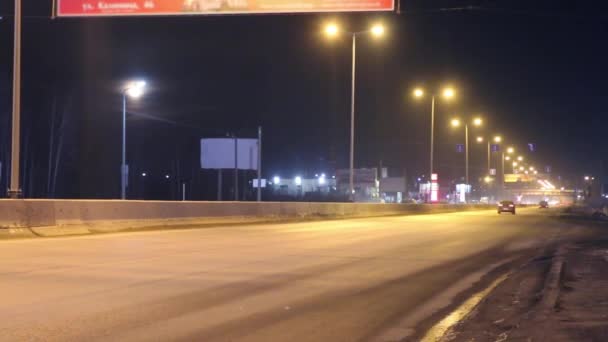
(92, 8)
(222, 153)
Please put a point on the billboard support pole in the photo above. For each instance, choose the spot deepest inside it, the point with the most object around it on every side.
(236, 169)
(14, 190)
(260, 164)
(219, 184)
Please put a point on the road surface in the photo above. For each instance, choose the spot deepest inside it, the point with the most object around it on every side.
(373, 279)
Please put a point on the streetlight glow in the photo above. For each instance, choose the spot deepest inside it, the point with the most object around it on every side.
(332, 30)
(507, 158)
(515, 164)
(418, 92)
(135, 89)
(276, 180)
(520, 158)
(521, 168)
(455, 123)
(477, 121)
(488, 179)
(510, 150)
(479, 139)
(448, 93)
(377, 30)
(497, 139)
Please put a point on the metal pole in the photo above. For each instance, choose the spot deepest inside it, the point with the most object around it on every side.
(352, 121)
(236, 169)
(260, 164)
(183, 191)
(219, 184)
(489, 154)
(466, 152)
(123, 167)
(432, 133)
(503, 171)
(14, 190)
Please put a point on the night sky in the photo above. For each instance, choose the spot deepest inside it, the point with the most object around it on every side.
(536, 72)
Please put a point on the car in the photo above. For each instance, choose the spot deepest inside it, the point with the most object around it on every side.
(506, 206)
(544, 204)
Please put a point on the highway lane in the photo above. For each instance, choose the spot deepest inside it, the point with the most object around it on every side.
(347, 280)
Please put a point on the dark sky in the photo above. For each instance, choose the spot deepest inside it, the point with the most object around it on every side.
(537, 72)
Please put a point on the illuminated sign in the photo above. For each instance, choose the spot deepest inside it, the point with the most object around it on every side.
(434, 188)
(86, 8)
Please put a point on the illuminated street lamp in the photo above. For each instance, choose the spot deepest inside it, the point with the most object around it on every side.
(456, 123)
(510, 150)
(520, 158)
(447, 94)
(496, 139)
(488, 179)
(332, 30)
(134, 90)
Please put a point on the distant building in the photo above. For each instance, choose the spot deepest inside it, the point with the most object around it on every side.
(298, 186)
(365, 183)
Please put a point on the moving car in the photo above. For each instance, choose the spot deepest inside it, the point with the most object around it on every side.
(506, 206)
(544, 204)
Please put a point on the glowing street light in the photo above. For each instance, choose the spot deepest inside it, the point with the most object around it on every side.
(447, 94)
(332, 30)
(456, 123)
(298, 180)
(497, 139)
(515, 164)
(276, 180)
(488, 179)
(134, 90)
(377, 30)
(520, 158)
(510, 150)
(507, 158)
(479, 139)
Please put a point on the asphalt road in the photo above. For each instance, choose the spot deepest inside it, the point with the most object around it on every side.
(371, 279)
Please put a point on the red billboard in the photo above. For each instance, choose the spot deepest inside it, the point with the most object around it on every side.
(87, 8)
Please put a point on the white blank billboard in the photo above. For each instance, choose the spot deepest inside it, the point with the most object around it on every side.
(220, 153)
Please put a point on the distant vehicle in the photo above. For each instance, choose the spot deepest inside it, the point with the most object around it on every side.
(506, 206)
(544, 204)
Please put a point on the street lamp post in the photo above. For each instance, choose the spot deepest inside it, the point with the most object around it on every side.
(510, 150)
(133, 90)
(497, 139)
(456, 123)
(447, 93)
(14, 190)
(331, 31)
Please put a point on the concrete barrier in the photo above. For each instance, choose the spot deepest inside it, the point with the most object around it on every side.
(63, 217)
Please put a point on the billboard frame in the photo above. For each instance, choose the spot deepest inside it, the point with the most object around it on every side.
(57, 14)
